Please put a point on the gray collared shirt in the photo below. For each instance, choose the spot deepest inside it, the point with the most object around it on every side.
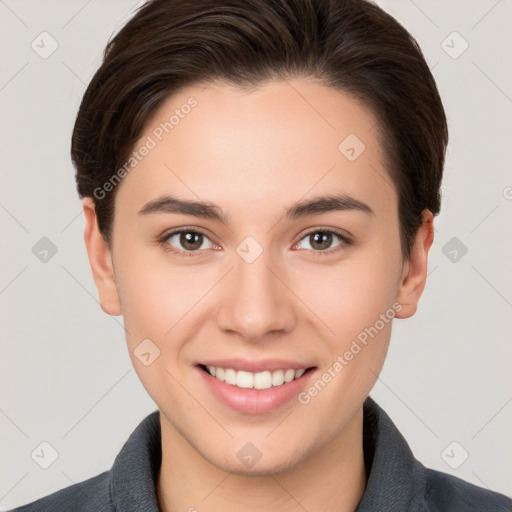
(396, 480)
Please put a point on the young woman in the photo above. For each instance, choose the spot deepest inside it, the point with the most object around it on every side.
(259, 183)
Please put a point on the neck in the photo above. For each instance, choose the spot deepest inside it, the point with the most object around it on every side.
(333, 479)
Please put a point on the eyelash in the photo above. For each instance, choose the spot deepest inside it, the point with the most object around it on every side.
(163, 240)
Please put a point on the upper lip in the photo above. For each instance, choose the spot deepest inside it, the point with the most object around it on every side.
(253, 366)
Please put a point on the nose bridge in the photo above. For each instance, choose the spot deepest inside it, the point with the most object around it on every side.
(257, 302)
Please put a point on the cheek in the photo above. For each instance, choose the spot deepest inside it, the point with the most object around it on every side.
(157, 299)
(350, 296)
(161, 302)
(355, 304)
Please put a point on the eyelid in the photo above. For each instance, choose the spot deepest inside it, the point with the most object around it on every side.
(323, 229)
(187, 229)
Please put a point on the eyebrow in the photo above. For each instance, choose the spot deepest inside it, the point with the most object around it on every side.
(207, 210)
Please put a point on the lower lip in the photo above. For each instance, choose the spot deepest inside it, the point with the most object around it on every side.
(255, 401)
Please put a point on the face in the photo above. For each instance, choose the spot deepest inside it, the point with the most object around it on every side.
(286, 266)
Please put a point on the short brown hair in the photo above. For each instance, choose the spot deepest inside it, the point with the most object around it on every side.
(351, 45)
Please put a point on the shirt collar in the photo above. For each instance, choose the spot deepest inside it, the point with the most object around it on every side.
(134, 474)
(395, 478)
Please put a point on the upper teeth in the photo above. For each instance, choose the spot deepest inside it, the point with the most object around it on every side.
(260, 380)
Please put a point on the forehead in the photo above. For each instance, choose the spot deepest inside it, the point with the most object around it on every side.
(283, 141)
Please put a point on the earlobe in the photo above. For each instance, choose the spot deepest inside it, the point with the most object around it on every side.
(100, 259)
(414, 273)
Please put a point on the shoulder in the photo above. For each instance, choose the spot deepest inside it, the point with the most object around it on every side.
(91, 495)
(130, 485)
(398, 481)
(446, 492)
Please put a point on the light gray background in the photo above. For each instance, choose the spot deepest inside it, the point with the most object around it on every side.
(65, 374)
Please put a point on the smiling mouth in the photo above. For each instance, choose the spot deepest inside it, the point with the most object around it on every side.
(258, 380)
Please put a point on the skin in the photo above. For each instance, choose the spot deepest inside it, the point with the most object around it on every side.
(254, 154)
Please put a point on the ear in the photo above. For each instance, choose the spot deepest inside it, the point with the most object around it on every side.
(414, 272)
(100, 259)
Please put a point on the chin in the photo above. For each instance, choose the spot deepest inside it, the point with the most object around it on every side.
(260, 468)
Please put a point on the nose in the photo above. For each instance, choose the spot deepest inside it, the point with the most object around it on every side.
(256, 302)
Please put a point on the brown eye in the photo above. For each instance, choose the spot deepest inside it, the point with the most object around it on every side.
(188, 241)
(191, 241)
(322, 240)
